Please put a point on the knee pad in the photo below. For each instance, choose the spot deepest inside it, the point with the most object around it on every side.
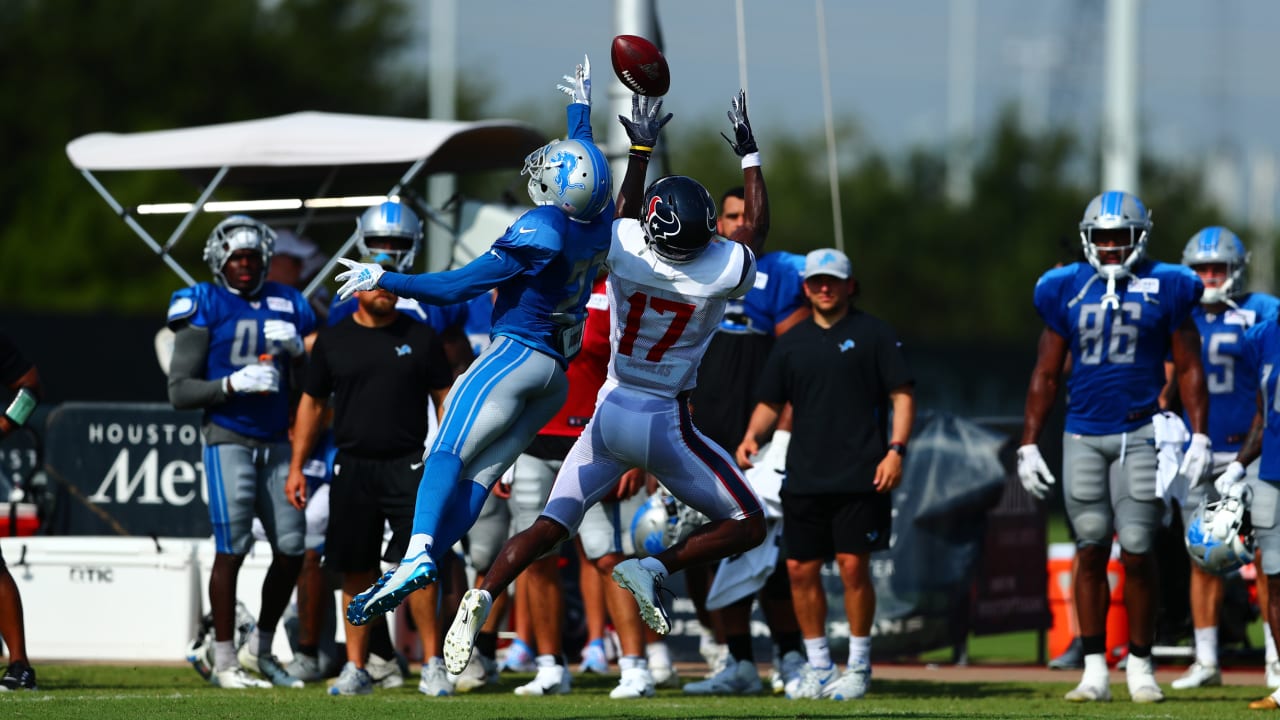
(1092, 528)
(1135, 540)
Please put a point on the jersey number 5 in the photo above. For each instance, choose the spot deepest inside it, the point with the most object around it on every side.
(680, 314)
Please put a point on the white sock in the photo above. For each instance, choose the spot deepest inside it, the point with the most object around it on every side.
(262, 641)
(224, 655)
(1206, 640)
(658, 654)
(418, 543)
(627, 662)
(654, 565)
(818, 651)
(859, 650)
(1269, 642)
(1095, 667)
(544, 661)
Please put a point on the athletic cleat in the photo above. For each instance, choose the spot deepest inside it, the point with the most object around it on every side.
(594, 658)
(18, 676)
(385, 673)
(739, 677)
(550, 680)
(458, 643)
(786, 671)
(352, 681)
(1141, 677)
(268, 667)
(1273, 675)
(305, 667)
(812, 682)
(519, 658)
(480, 671)
(1267, 703)
(714, 653)
(635, 683)
(644, 584)
(235, 678)
(852, 685)
(1090, 691)
(1071, 659)
(664, 676)
(392, 588)
(435, 681)
(1198, 675)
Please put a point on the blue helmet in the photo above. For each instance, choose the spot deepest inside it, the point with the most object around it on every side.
(396, 232)
(572, 175)
(1217, 538)
(1115, 210)
(1218, 245)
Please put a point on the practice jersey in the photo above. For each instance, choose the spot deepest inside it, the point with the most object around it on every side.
(664, 314)
(1262, 349)
(236, 340)
(777, 292)
(1117, 354)
(587, 371)
(437, 317)
(1230, 379)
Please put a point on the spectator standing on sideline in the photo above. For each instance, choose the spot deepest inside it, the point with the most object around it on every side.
(543, 268)
(1119, 316)
(669, 282)
(1225, 312)
(384, 371)
(237, 343)
(19, 375)
(843, 372)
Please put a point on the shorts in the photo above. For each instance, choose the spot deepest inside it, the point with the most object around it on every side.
(816, 527)
(364, 496)
(246, 481)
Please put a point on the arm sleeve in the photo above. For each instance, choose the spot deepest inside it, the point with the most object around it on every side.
(188, 387)
(453, 286)
(579, 121)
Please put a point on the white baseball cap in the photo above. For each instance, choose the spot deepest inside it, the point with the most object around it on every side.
(827, 261)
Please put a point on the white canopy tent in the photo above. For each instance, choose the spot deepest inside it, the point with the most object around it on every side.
(313, 147)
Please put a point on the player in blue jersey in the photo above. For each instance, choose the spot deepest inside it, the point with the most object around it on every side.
(543, 268)
(1119, 316)
(237, 343)
(1225, 312)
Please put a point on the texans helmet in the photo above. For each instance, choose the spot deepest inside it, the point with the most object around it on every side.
(396, 232)
(239, 232)
(1115, 210)
(1218, 538)
(679, 218)
(1214, 245)
(572, 175)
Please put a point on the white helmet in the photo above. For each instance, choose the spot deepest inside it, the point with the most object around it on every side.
(572, 175)
(1218, 245)
(239, 232)
(662, 521)
(398, 227)
(1218, 538)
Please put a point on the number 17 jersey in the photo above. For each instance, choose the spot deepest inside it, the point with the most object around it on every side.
(663, 314)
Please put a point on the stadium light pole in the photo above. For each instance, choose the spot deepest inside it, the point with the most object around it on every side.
(442, 96)
(630, 17)
(1120, 112)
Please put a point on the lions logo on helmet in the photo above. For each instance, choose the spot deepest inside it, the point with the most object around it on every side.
(653, 525)
(1218, 538)
(572, 175)
(679, 218)
(389, 233)
(239, 232)
(1218, 245)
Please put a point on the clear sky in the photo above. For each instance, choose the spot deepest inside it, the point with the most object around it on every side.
(1207, 73)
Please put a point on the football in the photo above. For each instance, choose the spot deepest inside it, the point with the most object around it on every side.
(640, 66)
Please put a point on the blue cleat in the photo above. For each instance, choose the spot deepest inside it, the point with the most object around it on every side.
(392, 588)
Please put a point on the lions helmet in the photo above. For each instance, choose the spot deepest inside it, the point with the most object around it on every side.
(239, 232)
(1218, 537)
(679, 218)
(572, 175)
(1115, 210)
(1214, 245)
(397, 232)
(653, 527)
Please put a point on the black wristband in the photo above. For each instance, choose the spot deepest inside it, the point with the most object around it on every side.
(900, 448)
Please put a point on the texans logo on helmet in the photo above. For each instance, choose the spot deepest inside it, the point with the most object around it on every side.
(565, 163)
(662, 219)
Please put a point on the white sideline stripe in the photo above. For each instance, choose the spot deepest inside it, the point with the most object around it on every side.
(45, 696)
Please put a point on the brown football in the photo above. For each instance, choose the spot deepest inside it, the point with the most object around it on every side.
(640, 66)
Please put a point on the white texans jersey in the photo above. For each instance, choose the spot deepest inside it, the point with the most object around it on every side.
(661, 314)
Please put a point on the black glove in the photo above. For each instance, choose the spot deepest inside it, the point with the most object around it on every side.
(743, 142)
(644, 125)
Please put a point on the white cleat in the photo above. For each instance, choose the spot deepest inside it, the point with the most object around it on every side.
(1198, 675)
(1141, 676)
(635, 683)
(1090, 690)
(461, 639)
(236, 678)
(550, 680)
(644, 584)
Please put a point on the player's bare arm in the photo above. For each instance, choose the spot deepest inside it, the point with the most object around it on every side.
(1051, 351)
(755, 224)
(1190, 372)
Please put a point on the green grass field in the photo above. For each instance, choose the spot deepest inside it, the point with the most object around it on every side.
(102, 692)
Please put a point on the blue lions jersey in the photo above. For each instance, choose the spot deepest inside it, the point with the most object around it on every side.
(1262, 348)
(1229, 376)
(236, 340)
(1118, 354)
(778, 292)
(436, 317)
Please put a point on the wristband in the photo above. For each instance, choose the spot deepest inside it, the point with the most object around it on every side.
(900, 448)
(751, 160)
(641, 148)
(20, 409)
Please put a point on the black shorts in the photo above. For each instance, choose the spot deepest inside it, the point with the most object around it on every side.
(363, 495)
(816, 527)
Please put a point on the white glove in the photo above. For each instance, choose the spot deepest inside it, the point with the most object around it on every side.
(1232, 475)
(360, 276)
(252, 379)
(1197, 459)
(579, 84)
(285, 336)
(1033, 472)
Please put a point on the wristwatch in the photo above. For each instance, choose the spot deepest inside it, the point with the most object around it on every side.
(900, 448)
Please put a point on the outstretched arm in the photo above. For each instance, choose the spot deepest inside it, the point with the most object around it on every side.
(755, 225)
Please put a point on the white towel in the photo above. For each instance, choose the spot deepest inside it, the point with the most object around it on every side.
(1171, 438)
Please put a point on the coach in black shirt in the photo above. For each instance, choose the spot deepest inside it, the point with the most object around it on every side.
(382, 368)
(843, 372)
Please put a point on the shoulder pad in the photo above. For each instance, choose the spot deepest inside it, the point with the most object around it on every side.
(183, 304)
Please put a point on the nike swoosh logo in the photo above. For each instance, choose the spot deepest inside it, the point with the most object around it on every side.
(415, 466)
(527, 230)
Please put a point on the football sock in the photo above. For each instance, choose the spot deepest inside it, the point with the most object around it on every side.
(818, 651)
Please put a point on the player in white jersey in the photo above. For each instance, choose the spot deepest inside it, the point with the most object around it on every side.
(670, 277)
